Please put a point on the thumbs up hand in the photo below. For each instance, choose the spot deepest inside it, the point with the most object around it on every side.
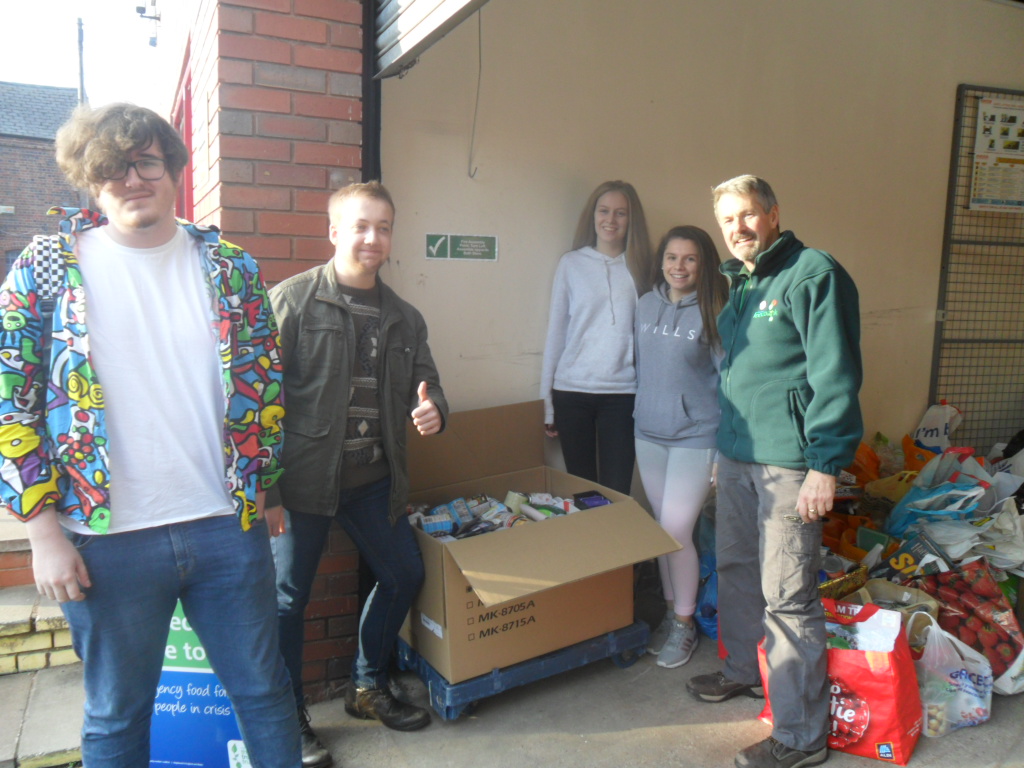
(425, 416)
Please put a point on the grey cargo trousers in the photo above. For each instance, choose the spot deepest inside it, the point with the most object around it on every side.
(768, 565)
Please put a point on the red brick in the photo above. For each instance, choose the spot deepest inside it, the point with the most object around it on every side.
(282, 6)
(327, 106)
(247, 148)
(9, 560)
(313, 671)
(335, 60)
(291, 223)
(308, 200)
(256, 99)
(231, 19)
(342, 626)
(270, 248)
(339, 155)
(234, 71)
(339, 541)
(320, 589)
(253, 48)
(338, 606)
(236, 171)
(16, 577)
(236, 222)
(291, 127)
(314, 630)
(336, 10)
(323, 649)
(347, 36)
(316, 250)
(291, 77)
(267, 198)
(341, 584)
(291, 175)
(276, 270)
(337, 563)
(301, 30)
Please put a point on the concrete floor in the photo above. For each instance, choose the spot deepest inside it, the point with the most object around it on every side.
(602, 716)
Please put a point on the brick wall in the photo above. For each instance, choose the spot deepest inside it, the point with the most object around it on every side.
(31, 182)
(277, 122)
(276, 102)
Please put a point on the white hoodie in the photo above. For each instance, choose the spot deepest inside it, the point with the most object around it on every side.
(590, 328)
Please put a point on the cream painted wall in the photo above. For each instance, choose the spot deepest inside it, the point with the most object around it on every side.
(845, 107)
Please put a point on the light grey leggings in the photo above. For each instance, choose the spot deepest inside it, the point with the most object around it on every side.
(677, 481)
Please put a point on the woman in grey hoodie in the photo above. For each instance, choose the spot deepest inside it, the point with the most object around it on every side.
(676, 417)
(588, 381)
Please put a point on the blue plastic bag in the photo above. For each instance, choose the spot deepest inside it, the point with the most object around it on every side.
(706, 614)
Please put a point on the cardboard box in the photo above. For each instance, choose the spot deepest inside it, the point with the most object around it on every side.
(494, 600)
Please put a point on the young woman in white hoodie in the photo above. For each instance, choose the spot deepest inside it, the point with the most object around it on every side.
(588, 381)
(677, 357)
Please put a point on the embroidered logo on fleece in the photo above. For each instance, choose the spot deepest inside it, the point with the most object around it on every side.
(767, 309)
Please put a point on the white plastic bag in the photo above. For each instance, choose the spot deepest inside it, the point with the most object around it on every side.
(955, 680)
(938, 423)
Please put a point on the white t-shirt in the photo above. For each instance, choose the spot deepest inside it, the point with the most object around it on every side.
(148, 314)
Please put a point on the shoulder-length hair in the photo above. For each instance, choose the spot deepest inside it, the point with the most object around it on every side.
(638, 243)
(712, 285)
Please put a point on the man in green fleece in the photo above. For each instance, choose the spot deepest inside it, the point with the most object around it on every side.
(790, 422)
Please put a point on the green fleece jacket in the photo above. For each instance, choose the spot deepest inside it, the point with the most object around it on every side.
(792, 367)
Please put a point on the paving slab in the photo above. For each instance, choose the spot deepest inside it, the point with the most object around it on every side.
(14, 693)
(51, 733)
(601, 716)
(12, 534)
(16, 606)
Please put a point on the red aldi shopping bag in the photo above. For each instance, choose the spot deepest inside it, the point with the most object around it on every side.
(874, 703)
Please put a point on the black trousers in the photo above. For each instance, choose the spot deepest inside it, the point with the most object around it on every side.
(596, 432)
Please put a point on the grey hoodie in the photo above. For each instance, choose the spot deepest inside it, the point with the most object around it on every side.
(677, 373)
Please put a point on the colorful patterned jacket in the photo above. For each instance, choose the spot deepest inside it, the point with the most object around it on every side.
(53, 436)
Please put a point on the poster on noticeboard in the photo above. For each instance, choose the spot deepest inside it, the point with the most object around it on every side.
(997, 181)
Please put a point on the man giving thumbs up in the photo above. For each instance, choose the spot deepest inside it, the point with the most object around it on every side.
(356, 366)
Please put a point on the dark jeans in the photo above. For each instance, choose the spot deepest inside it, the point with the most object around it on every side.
(224, 579)
(390, 551)
(596, 432)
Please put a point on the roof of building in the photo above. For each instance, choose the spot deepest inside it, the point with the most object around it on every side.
(34, 111)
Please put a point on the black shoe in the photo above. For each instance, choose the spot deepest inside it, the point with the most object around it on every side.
(380, 704)
(314, 753)
(717, 687)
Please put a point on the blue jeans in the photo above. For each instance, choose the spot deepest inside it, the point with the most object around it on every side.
(768, 562)
(225, 580)
(390, 551)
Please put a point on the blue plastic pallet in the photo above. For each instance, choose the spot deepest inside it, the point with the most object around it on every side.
(450, 700)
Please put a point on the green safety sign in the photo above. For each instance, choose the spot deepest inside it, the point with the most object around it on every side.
(465, 247)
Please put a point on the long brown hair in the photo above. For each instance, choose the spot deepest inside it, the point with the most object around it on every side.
(638, 243)
(712, 285)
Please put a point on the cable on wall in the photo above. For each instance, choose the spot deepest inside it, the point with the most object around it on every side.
(470, 169)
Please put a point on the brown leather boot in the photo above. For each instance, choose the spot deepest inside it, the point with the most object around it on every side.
(380, 704)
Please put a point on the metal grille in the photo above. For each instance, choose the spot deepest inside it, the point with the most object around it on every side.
(978, 364)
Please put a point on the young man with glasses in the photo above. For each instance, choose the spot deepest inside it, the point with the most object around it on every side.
(139, 435)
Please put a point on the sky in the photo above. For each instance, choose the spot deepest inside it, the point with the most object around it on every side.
(39, 45)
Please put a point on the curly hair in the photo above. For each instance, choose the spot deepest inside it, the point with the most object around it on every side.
(95, 144)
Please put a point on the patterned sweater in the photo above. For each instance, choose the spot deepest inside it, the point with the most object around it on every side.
(53, 436)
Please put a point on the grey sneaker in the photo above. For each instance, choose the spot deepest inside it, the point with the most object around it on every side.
(771, 753)
(660, 635)
(680, 645)
(718, 687)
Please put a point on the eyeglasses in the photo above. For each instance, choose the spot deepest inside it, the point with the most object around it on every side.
(148, 169)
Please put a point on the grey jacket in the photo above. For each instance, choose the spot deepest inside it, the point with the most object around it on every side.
(317, 339)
